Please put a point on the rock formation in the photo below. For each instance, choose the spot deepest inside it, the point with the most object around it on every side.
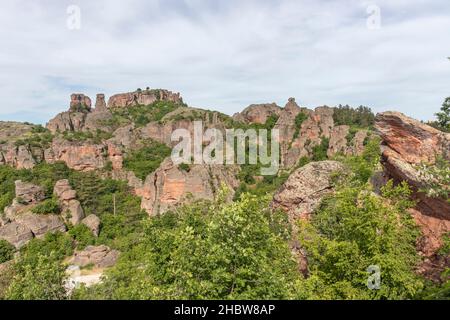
(29, 193)
(98, 256)
(16, 234)
(258, 113)
(142, 97)
(40, 224)
(71, 208)
(406, 144)
(302, 192)
(170, 186)
(93, 223)
(79, 101)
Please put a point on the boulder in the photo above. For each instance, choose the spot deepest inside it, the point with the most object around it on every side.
(40, 224)
(63, 190)
(71, 208)
(15, 233)
(28, 193)
(99, 256)
(304, 189)
(93, 223)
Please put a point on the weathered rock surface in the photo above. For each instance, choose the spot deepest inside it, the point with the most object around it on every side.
(143, 97)
(302, 192)
(16, 234)
(79, 156)
(80, 116)
(93, 223)
(169, 186)
(40, 224)
(71, 208)
(258, 113)
(406, 144)
(99, 256)
(29, 193)
(79, 100)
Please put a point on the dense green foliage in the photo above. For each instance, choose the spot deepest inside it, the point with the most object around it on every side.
(6, 251)
(48, 206)
(217, 250)
(354, 229)
(443, 117)
(320, 151)
(39, 138)
(361, 117)
(96, 137)
(41, 281)
(146, 159)
(141, 115)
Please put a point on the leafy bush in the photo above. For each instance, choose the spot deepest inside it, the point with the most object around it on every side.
(82, 235)
(437, 176)
(6, 251)
(49, 206)
(320, 151)
(41, 281)
(298, 123)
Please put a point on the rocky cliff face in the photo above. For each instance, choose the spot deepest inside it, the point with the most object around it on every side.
(142, 97)
(406, 144)
(170, 185)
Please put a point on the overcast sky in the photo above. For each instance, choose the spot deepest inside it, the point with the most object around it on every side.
(226, 54)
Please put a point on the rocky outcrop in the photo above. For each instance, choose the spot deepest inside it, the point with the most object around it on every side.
(80, 116)
(170, 186)
(406, 143)
(317, 126)
(98, 256)
(20, 157)
(258, 113)
(100, 103)
(79, 101)
(29, 193)
(142, 97)
(77, 155)
(71, 208)
(302, 192)
(40, 224)
(16, 234)
(93, 223)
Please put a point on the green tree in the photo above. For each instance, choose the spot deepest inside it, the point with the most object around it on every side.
(43, 281)
(443, 116)
(206, 251)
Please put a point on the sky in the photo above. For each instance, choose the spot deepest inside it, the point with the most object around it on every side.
(226, 54)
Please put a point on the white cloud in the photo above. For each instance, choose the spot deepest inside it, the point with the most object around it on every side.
(225, 55)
